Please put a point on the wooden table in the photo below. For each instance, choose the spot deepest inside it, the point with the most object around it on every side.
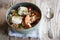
(55, 21)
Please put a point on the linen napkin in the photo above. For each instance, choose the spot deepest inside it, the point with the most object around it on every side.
(33, 34)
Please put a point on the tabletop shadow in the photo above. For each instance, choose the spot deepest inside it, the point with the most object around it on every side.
(4, 28)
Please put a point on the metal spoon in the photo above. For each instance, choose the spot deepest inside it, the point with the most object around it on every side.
(49, 16)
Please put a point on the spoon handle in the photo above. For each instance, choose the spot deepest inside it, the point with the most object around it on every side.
(49, 30)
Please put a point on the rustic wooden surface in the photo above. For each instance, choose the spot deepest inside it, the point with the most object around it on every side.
(55, 21)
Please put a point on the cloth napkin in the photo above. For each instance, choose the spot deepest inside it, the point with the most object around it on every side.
(33, 34)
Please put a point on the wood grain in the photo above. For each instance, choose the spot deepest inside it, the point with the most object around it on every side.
(14, 38)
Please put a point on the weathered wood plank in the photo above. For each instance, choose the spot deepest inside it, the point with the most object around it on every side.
(4, 5)
(34, 39)
(43, 24)
(54, 21)
(15, 1)
(18, 38)
(3, 37)
(51, 4)
(58, 19)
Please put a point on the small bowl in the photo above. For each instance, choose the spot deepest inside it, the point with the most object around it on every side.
(24, 4)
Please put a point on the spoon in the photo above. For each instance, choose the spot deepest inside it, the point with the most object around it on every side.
(49, 16)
